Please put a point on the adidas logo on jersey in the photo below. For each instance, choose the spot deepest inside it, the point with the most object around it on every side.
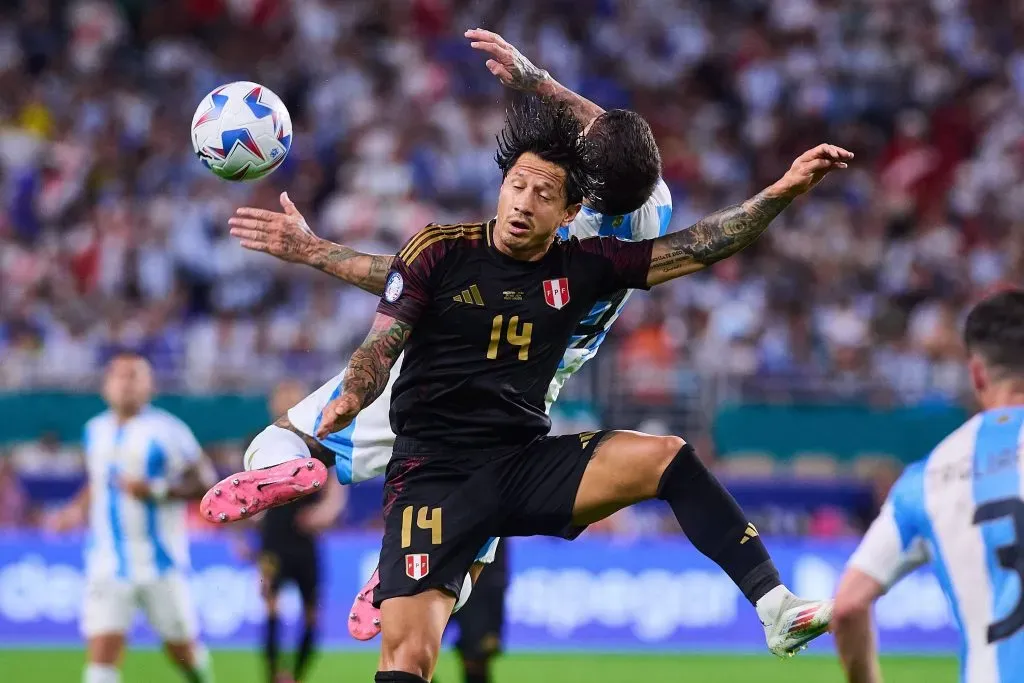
(748, 533)
(470, 296)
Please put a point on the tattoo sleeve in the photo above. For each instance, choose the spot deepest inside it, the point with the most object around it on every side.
(583, 109)
(713, 238)
(370, 366)
(366, 271)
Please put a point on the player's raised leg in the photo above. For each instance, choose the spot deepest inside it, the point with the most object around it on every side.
(628, 467)
(282, 464)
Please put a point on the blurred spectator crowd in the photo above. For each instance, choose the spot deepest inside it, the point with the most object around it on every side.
(113, 234)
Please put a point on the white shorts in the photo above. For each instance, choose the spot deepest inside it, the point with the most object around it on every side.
(361, 450)
(110, 606)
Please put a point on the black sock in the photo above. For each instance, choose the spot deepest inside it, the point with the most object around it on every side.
(270, 644)
(715, 524)
(397, 677)
(306, 649)
(476, 671)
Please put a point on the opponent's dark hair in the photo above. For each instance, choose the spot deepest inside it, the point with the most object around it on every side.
(628, 161)
(995, 331)
(549, 130)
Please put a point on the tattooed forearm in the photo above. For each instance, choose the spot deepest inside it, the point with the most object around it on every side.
(583, 109)
(368, 371)
(713, 238)
(366, 271)
(525, 74)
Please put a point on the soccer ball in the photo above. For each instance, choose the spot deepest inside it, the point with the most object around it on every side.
(241, 131)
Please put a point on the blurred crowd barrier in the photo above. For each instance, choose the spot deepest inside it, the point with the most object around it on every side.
(593, 594)
(803, 469)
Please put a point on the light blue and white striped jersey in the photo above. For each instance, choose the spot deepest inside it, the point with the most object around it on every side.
(963, 508)
(128, 538)
(362, 450)
(649, 221)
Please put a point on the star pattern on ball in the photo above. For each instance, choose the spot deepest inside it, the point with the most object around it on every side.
(216, 108)
(285, 140)
(238, 136)
(258, 109)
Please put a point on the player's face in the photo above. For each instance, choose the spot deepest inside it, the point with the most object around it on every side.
(128, 384)
(531, 207)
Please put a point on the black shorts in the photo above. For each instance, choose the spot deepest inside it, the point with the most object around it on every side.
(441, 506)
(482, 621)
(298, 564)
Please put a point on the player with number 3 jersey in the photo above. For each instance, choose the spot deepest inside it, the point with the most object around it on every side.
(962, 509)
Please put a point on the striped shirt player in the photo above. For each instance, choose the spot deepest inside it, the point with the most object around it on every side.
(362, 450)
(137, 553)
(962, 510)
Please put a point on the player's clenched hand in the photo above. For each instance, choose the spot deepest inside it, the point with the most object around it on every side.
(284, 235)
(810, 167)
(507, 63)
(338, 414)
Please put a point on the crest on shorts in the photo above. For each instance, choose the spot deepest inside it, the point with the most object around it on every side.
(417, 566)
(394, 286)
(556, 292)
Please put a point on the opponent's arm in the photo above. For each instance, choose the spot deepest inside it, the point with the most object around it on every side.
(288, 237)
(367, 373)
(514, 70)
(723, 233)
(851, 626)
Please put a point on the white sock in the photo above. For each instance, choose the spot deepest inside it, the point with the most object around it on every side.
(770, 603)
(273, 446)
(101, 673)
(467, 588)
(203, 669)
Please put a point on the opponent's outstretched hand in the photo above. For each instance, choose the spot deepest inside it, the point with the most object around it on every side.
(810, 167)
(507, 63)
(338, 414)
(284, 235)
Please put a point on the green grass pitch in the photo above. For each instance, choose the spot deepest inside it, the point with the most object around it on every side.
(65, 666)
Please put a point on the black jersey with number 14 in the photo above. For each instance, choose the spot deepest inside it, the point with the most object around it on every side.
(489, 331)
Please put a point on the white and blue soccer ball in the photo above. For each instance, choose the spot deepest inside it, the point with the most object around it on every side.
(241, 131)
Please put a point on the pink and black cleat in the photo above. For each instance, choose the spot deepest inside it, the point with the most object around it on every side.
(364, 619)
(244, 494)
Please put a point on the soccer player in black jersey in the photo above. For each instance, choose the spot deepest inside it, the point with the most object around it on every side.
(289, 552)
(472, 459)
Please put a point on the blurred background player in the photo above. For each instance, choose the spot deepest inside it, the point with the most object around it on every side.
(143, 464)
(289, 552)
(962, 509)
(482, 621)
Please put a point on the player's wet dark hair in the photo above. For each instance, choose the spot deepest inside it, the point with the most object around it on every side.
(549, 130)
(628, 161)
(995, 331)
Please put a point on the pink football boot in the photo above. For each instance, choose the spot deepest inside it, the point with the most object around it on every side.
(244, 494)
(364, 619)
